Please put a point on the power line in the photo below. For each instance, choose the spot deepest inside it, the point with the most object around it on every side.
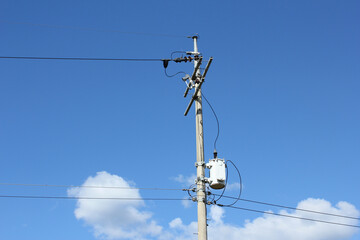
(82, 59)
(177, 189)
(290, 216)
(292, 208)
(93, 29)
(169, 199)
(173, 75)
(92, 198)
(84, 186)
(217, 120)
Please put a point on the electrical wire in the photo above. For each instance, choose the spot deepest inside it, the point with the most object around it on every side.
(172, 59)
(240, 188)
(84, 186)
(292, 208)
(93, 29)
(173, 75)
(81, 59)
(240, 180)
(208, 193)
(169, 199)
(92, 198)
(176, 52)
(217, 120)
(191, 188)
(95, 59)
(290, 216)
(177, 189)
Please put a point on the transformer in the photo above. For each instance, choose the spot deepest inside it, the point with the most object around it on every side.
(217, 179)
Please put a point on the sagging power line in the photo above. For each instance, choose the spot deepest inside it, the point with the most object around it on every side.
(84, 186)
(84, 58)
(170, 199)
(93, 198)
(288, 207)
(165, 61)
(193, 82)
(291, 216)
(175, 189)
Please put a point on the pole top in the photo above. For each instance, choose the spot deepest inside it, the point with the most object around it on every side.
(195, 36)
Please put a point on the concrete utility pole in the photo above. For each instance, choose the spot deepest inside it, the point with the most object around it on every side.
(195, 81)
(200, 162)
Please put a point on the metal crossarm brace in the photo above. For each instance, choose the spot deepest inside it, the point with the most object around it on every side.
(193, 76)
(197, 89)
(194, 97)
(207, 67)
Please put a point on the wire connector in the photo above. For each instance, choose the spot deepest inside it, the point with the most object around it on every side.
(215, 153)
(166, 62)
(184, 59)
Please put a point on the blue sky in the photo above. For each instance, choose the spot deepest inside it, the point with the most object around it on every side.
(284, 83)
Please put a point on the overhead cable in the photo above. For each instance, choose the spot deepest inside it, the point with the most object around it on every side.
(291, 216)
(93, 198)
(173, 75)
(81, 58)
(177, 189)
(292, 208)
(216, 118)
(85, 186)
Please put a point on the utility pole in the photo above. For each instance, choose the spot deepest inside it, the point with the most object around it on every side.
(195, 81)
(200, 162)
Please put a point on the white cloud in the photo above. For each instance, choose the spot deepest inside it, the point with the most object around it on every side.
(186, 180)
(272, 227)
(233, 186)
(186, 203)
(113, 219)
(180, 231)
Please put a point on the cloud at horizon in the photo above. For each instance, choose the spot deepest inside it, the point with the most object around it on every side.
(126, 219)
(272, 227)
(113, 219)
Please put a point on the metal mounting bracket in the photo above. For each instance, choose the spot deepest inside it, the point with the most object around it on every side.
(200, 199)
(202, 179)
(197, 164)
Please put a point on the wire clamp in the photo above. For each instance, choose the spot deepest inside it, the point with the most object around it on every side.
(201, 179)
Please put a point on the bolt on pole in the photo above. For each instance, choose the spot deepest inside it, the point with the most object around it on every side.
(200, 162)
